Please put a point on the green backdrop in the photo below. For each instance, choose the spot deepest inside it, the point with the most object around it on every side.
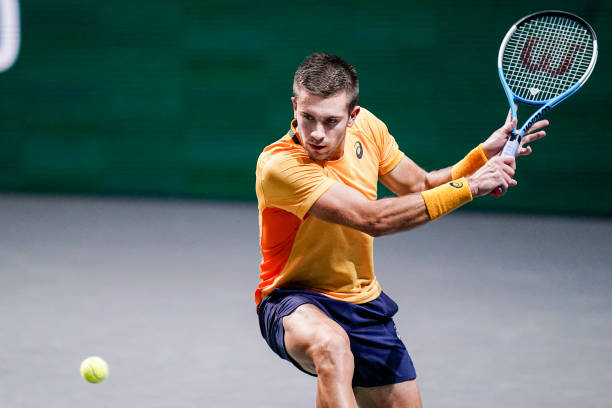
(179, 97)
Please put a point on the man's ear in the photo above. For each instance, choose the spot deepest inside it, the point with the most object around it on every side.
(294, 107)
(353, 116)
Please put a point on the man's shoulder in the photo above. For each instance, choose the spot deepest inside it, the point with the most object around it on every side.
(367, 122)
(365, 117)
(282, 154)
(369, 126)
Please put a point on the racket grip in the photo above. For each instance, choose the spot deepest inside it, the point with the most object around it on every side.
(510, 149)
(511, 146)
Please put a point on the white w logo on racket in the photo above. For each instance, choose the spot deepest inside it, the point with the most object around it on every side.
(10, 33)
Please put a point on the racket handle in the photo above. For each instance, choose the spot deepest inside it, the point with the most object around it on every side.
(512, 146)
(510, 149)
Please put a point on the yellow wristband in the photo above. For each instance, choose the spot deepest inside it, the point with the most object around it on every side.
(445, 198)
(470, 163)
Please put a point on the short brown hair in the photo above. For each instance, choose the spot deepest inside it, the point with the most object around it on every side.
(325, 75)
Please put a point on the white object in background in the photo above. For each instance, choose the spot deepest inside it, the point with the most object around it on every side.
(10, 33)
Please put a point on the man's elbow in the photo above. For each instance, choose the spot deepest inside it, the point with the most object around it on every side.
(378, 232)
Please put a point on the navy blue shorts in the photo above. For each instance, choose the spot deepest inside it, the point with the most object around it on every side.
(380, 356)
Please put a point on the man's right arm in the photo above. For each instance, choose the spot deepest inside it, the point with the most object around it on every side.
(346, 206)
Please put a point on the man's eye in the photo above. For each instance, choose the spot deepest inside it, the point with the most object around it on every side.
(332, 121)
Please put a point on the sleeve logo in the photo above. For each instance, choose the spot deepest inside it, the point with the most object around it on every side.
(358, 149)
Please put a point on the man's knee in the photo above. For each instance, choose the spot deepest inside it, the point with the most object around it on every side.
(316, 342)
(331, 353)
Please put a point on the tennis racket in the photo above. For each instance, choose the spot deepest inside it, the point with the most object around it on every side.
(543, 59)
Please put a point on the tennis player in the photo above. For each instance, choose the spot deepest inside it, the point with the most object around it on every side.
(319, 303)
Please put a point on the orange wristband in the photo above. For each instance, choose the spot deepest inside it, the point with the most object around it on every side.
(445, 198)
(470, 163)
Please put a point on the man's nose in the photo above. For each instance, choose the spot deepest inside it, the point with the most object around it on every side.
(318, 134)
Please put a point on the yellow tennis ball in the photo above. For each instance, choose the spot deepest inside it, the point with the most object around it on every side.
(94, 369)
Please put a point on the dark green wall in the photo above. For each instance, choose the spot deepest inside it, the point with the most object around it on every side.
(179, 97)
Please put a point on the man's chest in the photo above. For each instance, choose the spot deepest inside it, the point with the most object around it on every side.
(358, 168)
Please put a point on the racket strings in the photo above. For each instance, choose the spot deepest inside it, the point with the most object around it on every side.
(537, 58)
(546, 56)
(543, 55)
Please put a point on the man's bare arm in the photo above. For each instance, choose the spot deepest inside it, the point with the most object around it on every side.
(346, 206)
(407, 177)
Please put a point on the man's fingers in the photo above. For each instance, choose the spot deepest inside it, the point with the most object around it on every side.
(533, 136)
(508, 181)
(508, 160)
(504, 187)
(509, 115)
(509, 126)
(508, 176)
(538, 125)
(498, 172)
(525, 151)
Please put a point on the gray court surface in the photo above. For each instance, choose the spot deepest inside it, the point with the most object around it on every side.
(496, 310)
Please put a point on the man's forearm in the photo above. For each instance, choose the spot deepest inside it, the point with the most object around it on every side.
(465, 167)
(395, 214)
(438, 177)
(346, 206)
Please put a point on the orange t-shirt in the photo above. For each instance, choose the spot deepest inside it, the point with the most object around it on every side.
(300, 251)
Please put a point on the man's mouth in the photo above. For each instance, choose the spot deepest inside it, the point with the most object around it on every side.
(316, 146)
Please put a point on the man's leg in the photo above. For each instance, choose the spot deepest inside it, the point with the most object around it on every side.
(401, 395)
(319, 345)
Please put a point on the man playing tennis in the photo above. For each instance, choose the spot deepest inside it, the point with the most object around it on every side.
(320, 305)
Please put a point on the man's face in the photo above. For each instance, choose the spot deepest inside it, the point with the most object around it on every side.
(322, 123)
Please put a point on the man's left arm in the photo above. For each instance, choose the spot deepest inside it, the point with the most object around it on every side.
(407, 177)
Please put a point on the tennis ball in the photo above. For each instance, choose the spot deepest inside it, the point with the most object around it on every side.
(94, 369)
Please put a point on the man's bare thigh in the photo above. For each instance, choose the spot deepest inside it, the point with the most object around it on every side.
(306, 327)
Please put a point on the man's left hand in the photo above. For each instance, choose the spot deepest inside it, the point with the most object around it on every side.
(495, 143)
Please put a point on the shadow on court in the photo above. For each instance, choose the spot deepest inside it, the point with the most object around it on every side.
(496, 310)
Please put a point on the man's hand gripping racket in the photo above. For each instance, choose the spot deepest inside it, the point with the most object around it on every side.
(543, 59)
